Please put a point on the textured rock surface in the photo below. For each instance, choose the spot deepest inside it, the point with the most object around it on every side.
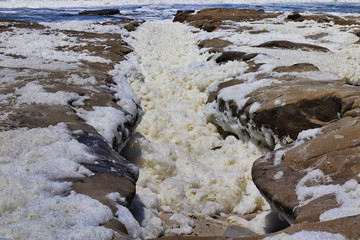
(89, 85)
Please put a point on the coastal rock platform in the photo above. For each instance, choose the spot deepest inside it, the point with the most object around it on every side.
(61, 78)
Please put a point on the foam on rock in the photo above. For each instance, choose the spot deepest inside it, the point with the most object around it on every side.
(32, 200)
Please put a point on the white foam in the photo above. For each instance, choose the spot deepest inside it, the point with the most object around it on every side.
(181, 225)
(348, 196)
(318, 189)
(309, 134)
(278, 175)
(257, 224)
(33, 204)
(307, 235)
(35, 93)
(176, 137)
(132, 226)
(145, 209)
(108, 121)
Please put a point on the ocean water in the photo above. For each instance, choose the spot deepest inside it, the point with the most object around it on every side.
(51, 11)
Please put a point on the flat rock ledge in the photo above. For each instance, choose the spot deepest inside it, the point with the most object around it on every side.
(77, 92)
(311, 175)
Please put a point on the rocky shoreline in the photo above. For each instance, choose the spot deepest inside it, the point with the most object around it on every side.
(306, 111)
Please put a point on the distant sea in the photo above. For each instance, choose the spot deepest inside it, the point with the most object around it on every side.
(57, 11)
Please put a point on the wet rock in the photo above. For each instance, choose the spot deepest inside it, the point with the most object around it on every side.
(293, 46)
(234, 56)
(230, 56)
(101, 12)
(237, 231)
(299, 67)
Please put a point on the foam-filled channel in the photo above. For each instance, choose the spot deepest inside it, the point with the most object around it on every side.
(186, 166)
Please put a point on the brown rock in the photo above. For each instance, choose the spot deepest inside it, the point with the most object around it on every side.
(299, 67)
(216, 44)
(211, 19)
(320, 18)
(317, 36)
(230, 56)
(234, 56)
(336, 157)
(335, 152)
(293, 45)
(290, 107)
(19, 24)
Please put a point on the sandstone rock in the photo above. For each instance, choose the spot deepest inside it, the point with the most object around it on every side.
(293, 45)
(101, 12)
(299, 67)
(211, 18)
